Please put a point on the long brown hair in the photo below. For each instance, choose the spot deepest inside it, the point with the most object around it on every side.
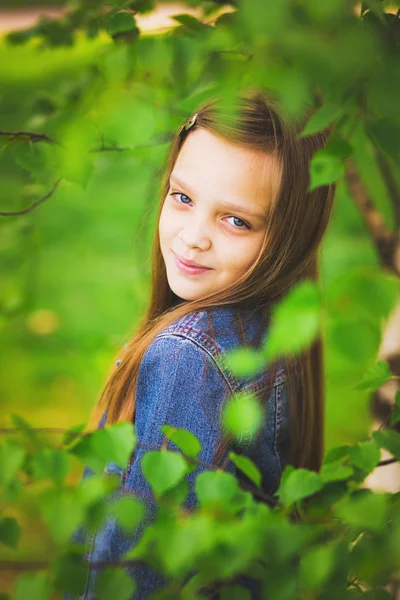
(296, 224)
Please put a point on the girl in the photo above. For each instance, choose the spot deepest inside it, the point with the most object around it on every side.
(236, 229)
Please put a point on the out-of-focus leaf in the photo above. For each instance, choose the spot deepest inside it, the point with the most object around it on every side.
(129, 511)
(11, 460)
(388, 439)
(120, 22)
(335, 471)
(326, 168)
(365, 510)
(235, 592)
(10, 531)
(51, 463)
(112, 443)
(247, 467)
(189, 21)
(184, 439)
(297, 484)
(316, 566)
(244, 361)
(386, 134)
(215, 488)
(35, 586)
(375, 377)
(243, 416)
(322, 118)
(163, 469)
(111, 579)
(295, 321)
(395, 418)
(62, 512)
(365, 456)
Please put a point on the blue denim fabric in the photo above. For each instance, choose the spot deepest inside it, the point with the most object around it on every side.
(181, 384)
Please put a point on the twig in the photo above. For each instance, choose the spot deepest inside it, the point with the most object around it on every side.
(31, 135)
(38, 565)
(388, 461)
(29, 208)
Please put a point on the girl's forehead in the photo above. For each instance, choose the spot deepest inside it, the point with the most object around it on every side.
(208, 161)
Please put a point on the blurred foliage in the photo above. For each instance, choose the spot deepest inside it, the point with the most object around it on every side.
(88, 104)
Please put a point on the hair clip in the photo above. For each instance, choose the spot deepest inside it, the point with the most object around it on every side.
(189, 123)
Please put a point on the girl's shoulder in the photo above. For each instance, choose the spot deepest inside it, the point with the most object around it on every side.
(218, 330)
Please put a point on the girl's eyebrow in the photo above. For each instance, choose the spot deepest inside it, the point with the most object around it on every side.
(230, 205)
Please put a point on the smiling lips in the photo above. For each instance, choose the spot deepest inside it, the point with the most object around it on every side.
(189, 267)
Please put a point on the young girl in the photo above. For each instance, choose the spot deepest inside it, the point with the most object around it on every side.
(236, 229)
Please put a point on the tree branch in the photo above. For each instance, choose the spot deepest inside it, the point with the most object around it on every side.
(267, 498)
(387, 244)
(29, 208)
(32, 136)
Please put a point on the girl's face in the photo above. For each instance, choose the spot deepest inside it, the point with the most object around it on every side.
(214, 213)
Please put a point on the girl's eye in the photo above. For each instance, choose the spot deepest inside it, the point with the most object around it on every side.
(239, 223)
(180, 194)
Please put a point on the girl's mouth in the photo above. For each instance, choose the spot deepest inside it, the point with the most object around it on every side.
(187, 270)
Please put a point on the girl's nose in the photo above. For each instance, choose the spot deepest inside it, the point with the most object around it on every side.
(194, 236)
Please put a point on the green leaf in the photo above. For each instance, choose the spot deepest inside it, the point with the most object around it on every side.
(70, 573)
(73, 433)
(181, 545)
(386, 134)
(235, 592)
(120, 22)
(375, 377)
(27, 430)
(316, 566)
(96, 487)
(335, 471)
(11, 460)
(364, 509)
(111, 579)
(34, 586)
(295, 321)
(395, 418)
(128, 510)
(244, 361)
(326, 168)
(322, 118)
(215, 488)
(62, 512)
(388, 439)
(189, 21)
(247, 467)
(337, 452)
(297, 484)
(51, 463)
(163, 469)
(10, 531)
(112, 443)
(243, 417)
(184, 439)
(365, 456)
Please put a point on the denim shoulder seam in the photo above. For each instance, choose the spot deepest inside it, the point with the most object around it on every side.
(231, 384)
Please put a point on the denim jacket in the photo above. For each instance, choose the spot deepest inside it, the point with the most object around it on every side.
(180, 383)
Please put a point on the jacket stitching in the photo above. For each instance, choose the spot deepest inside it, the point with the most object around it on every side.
(205, 349)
